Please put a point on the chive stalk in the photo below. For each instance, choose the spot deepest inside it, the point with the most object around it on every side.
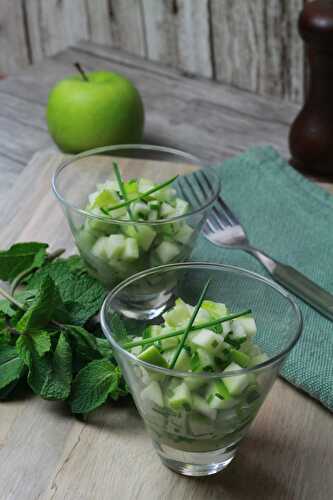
(190, 323)
(141, 196)
(122, 189)
(176, 333)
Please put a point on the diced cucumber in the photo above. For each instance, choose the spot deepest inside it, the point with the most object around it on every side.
(237, 383)
(166, 210)
(140, 209)
(145, 185)
(153, 215)
(178, 315)
(167, 251)
(218, 389)
(184, 234)
(152, 355)
(115, 246)
(154, 205)
(99, 248)
(199, 425)
(153, 393)
(206, 360)
(215, 309)
(241, 358)
(100, 226)
(166, 194)
(182, 207)
(222, 404)
(85, 239)
(104, 199)
(200, 405)
(249, 325)
(206, 339)
(258, 359)
(170, 343)
(194, 383)
(183, 363)
(181, 398)
(238, 331)
(131, 250)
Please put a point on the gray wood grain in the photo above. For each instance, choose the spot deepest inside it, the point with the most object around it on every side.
(47, 455)
(54, 24)
(252, 45)
(257, 47)
(178, 33)
(14, 51)
(117, 23)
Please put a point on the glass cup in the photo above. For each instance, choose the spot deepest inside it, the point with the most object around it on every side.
(159, 241)
(191, 441)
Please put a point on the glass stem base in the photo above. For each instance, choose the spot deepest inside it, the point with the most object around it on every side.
(195, 464)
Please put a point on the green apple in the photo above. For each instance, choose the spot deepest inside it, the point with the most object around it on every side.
(100, 108)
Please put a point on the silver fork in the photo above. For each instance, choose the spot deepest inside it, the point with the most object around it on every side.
(224, 229)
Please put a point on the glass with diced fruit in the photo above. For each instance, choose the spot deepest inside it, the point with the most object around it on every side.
(132, 207)
(199, 370)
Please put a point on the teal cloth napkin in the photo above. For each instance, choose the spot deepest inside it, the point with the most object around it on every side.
(291, 219)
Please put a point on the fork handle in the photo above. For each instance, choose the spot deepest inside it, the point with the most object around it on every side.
(304, 288)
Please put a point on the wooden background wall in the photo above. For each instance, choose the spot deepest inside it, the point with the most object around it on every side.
(252, 44)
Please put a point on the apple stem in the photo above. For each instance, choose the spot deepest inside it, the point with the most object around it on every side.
(80, 70)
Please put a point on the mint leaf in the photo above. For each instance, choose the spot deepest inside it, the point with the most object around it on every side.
(59, 381)
(21, 257)
(11, 365)
(81, 294)
(105, 348)
(83, 343)
(38, 340)
(7, 308)
(49, 376)
(41, 311)
(93, 385)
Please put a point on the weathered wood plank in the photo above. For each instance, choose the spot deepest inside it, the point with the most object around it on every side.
(53, 25)
(257, 47)
(117, 23)
(14, 51)
(47, 455)
(178, 33)
(19, 141)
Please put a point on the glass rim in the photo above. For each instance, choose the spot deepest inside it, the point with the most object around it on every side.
(172, 151)
(201, 265)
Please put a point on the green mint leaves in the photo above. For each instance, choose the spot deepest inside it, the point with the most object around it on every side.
(21, 257)
(44, 340)
(93, 385)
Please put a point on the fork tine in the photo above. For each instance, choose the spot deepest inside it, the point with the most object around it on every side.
(194, 193)
(213, 223)
(222, 221)
(228, 213)
(200, 184)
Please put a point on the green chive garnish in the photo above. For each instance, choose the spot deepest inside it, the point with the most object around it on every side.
(189, 326)
(122, 189)
(142, 195)
(176, 333)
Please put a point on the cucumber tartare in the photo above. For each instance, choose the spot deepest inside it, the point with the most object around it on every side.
(123, 238)
(192, 412)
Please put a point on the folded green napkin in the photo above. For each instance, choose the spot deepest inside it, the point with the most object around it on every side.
(291, 219)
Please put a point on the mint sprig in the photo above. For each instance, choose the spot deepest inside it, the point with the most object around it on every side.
(44, 338)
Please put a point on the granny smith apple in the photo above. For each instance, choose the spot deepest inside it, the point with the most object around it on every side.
(94, 109)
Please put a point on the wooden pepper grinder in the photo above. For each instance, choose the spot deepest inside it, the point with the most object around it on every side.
(311, 135)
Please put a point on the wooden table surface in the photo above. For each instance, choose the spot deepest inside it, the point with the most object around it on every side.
(44, 453)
